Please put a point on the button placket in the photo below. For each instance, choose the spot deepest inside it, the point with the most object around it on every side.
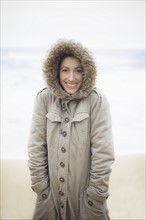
(62, 174)
(62, 184)
(63, 159)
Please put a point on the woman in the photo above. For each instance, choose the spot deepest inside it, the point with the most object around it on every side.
(70, 146)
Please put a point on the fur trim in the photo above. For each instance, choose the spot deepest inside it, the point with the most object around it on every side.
(51, 68)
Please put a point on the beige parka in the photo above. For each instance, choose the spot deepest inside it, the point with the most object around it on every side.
(70, 146)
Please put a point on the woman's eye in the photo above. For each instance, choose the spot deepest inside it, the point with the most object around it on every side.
(64, 70)
(79, 70)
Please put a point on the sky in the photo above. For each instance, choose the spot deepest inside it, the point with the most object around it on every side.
(97, 24)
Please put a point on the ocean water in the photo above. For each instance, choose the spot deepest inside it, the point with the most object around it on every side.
(121, 77)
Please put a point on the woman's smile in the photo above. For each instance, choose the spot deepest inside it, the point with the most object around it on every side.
(71, 85)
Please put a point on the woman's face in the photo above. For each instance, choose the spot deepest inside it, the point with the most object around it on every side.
(71, 74)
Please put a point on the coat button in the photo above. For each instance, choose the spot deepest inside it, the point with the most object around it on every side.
(61, 179)
(64, 133)
(63, 149)
(61, 205)
(90, 203)
(62, 164)
(66, 120)
(44, 196)
(61, 193)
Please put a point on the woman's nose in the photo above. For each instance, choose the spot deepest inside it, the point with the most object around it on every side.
(71, 76)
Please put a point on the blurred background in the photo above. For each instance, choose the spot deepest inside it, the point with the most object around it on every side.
(115, 33)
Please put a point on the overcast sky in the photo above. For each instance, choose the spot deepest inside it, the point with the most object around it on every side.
(97, 24)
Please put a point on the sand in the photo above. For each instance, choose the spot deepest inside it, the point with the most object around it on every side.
(127, 189)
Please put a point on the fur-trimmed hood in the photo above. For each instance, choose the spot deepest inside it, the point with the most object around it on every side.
(51, 68)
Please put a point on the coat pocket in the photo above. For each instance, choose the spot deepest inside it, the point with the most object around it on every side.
(81, 128)
(45, 208)
(54, 117)
(92, 209)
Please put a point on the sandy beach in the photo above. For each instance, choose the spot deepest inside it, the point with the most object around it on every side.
(127, 189)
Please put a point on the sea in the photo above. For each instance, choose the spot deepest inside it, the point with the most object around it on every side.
(120, 76)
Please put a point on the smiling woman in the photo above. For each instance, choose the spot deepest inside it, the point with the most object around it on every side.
(70, 146)
(24, 39)
(71, 74)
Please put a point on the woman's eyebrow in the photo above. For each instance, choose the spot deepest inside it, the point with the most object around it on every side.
(64, 67)
(78, 67)
(69, 67)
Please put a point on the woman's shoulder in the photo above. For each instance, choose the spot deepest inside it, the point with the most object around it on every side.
(97, 97)
(97, 94)
(43, 91)
(44, 96)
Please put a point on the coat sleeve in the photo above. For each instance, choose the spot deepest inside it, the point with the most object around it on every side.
(102, 152)
(37, 147)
